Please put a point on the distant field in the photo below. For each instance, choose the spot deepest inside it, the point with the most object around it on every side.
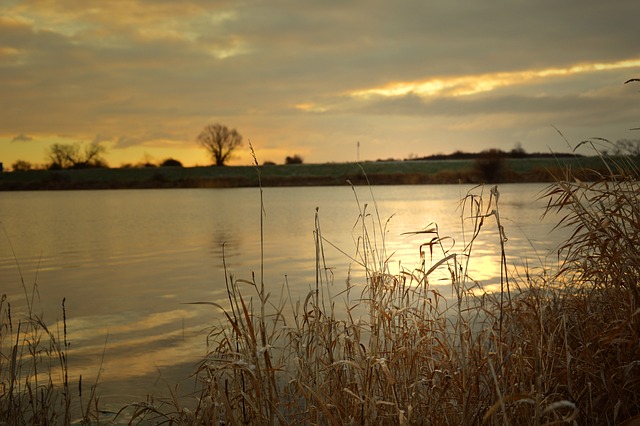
(376, 173)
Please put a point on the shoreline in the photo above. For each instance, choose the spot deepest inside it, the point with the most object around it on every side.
(528, 170)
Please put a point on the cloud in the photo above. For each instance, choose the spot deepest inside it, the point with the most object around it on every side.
(474, 84)
(306, 72)
(100, 138)
(22, 138)
(125, 142)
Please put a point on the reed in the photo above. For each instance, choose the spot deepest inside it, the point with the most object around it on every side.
(34, 370)
(34, 366)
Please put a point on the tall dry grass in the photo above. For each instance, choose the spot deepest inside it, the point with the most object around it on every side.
(392, 349)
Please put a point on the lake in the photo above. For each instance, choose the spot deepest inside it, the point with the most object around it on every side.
(129, 262)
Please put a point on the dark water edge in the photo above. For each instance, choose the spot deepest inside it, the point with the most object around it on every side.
(529, 170)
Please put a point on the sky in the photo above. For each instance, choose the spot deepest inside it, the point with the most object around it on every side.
(329, 80)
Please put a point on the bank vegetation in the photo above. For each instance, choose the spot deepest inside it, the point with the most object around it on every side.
(490, 168)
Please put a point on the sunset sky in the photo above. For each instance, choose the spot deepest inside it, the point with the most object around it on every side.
(314, 78)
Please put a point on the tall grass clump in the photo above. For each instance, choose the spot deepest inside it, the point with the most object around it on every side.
(596, 311)
(551, 348)
(35, 387)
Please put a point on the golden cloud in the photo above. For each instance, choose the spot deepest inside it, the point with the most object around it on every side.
(474, 84)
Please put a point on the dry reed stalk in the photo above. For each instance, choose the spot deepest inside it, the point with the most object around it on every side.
(34, 366)
(34, 371)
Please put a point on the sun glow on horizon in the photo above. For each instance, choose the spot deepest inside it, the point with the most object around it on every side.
(474, 84)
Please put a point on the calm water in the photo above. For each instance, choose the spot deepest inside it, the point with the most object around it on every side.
(129, 262)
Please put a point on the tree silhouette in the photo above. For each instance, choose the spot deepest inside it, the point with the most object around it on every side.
(21, 165)
(220, 142)
(72, 156)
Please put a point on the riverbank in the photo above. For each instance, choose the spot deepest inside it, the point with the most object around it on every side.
(376, 173)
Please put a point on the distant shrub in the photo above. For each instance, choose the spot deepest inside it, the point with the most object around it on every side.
(518, 152)
(170, 162)
(268, 163)
(490, 166)
(97, 164)
(296, 159)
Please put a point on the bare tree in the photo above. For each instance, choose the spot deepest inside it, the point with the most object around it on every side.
(72, 156)
(220, 142)
(21, 165)
(93, 155)
(63, 156)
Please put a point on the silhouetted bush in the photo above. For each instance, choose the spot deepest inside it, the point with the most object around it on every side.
(170, 162)
(296, 159)
(95, 164)
(518, 152)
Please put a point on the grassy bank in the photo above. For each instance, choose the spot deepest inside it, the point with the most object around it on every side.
(378, 173)
(559, 347)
